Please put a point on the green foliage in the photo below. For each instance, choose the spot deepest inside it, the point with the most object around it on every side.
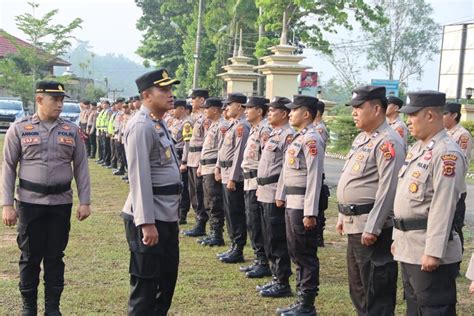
(93, 93)
(469, 125)
(343, 132)
(29, 64)
(402, 46)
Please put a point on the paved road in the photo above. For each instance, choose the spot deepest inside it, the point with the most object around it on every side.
(333, 167)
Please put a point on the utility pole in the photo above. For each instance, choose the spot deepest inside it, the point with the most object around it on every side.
(198, 46)
(260, 34)
(114, 91)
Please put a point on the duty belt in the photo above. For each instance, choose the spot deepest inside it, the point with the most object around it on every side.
(406, 224)
(295, 191)
(268, 180)
(208, 161)
(172, 189)
(251, 174)
(352, 209)
(194, 149)
(45, 189)
(226, 164)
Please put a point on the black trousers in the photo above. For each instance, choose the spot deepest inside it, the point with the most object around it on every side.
(274, 237)
(196, 194)
(43, 234)
(430, 293)
(122, 160)
(213, 202)
(253, 213)
(153, 270)
(372, 275)
(107, 153)
(185, 202)
(303, 250)
(93, 144)
(113, 152)
(100, 141)
(234, 208)
(459, 216)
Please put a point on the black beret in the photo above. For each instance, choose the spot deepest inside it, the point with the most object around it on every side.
(422, 99)
(136, 98)
(260, 102)
(120, 100)
(212, 102)
(367, 93)
(279, 103)
(302, 100)
(179, 102)
(236, 97)
(158, 78)
(53, 88)
(395, 100)
(452, 107)
(199, 93)
(94, 103)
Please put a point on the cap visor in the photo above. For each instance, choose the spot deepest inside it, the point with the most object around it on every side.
(292, 106)
(355, 102)
(410, 109)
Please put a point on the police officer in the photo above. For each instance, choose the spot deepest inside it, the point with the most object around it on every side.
(191, 162)
(299, 188)
(273, 217)
(429, 186)
(151, 210)
(119, 144)
(44, 145)
(255, 111)
(100, 130)
(394, 119)
(91, 130)
(105, 135)
(85, 106)
(212, 188)
(229, 161)
(451, 119)
(182, 129)
(320, 127)
(365, 195)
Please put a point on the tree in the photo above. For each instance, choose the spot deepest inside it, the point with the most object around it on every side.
(93, 93)
(49, 41)
(410, 39)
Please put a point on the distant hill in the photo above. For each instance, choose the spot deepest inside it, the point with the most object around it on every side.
(120, 71)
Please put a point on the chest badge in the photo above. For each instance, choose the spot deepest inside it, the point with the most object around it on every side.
(168, 153)
(292, 161)
(409, 156)
(66, 127)
(28, 127)
(413, 187)
(416, 174)
(356, 167)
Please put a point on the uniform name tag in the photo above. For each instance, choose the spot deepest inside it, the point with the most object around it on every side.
(66, 140)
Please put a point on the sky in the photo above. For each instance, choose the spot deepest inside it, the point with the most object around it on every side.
(110, 27)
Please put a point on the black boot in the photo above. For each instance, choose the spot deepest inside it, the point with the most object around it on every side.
(30, 305)
(281, 310)
(304, 308)
(266, 285)
(216, 239)
(198, 230)
(52, 296)
(260, 271)
(225, 253)
(119, 172)
(250, 267)
(234, 256)
(279, 289)
(203, 239)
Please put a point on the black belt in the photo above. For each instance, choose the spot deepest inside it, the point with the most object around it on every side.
(172, 189)
(194, 149)
(45, 189)
(226, 164)
(295, 191)
(406, 224)
(208, 161)
(250, 175)
(268, 180)
(351, 209)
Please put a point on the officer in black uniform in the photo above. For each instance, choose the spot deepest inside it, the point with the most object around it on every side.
(44, 145)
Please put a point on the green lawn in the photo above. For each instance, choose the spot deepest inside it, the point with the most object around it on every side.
(97, 269)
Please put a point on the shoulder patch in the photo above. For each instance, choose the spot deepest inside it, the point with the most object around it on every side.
(449, 164)
(400, 131)
(388, 150)
(312, 149)
(463, 141)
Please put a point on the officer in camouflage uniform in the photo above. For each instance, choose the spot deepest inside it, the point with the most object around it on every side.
(394, 119)
(365, 195)
(44, 145)
(151, 211)
(229, 161)
(299, 188)
(273, 217)
(255, 110)
(182, 129)
(429, 186)
(190, 161)
(212, 188)
(451, 119)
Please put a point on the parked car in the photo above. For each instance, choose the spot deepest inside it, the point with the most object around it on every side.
(11, 110)
(71, 111)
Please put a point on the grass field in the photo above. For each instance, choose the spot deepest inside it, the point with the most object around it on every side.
(97, 268)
